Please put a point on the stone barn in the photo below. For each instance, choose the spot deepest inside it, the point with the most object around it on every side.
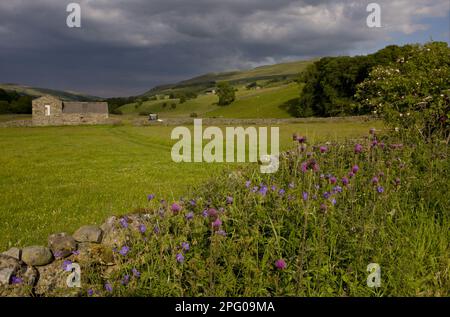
(49, 110)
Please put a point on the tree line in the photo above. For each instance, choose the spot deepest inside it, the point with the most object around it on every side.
(12, 102)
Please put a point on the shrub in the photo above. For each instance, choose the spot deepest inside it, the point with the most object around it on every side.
(226, 93)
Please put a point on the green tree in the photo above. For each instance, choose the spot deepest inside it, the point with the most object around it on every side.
(226, 93)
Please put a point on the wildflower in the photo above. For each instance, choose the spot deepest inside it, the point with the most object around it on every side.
(273, 188)
(305, 196)
(323, 207)
(374, 143)
(136, 273)
(185, 246)
(76, 252)
(380, 189)
(221, 233)
(304, 167)
(333, 180)
(281, 192)
(124, 251)
(351, 174)
(180, 258)
(156, 229)
(355, 169)
(142, 228)
(358, 148)
(67, 265)
(255, 189)
(327, 195)
(397, 181)
(345, 181)
(316, 167)
(108, 287)
(16, 280)
(280, 264)
(247, 184)
(205, 213)
(90, 292)
(150, 197)
(301, 139)
(333, 201)
(125, 280)
(217, 223)
(190, 216)
(263, 191)
(229, 200)
(123, 222)
(58, 254)
(375, 180)
(193, 202)
(337, 189)
(323, 149)
(212, 213)
(175, 208)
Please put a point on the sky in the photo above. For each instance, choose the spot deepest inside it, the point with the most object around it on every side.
(126, 47)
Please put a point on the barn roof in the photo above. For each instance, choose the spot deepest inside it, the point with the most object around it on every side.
(85, 107)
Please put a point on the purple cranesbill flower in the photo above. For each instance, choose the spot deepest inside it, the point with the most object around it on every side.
(323, 149)
(337, 189)
(176, 208)
(333, 201)
(333, 180)
(263, 191)
(221, 233)
(358, 148)
(123, 222)
(255, 189)
(180, 258)
(345, 181)
(380, 189)
(136, 273)
(124, 251)
(190, 216)
(355, 169)
(305, 196)
(351, 174)
(185, 246)
(67, 265)
(280, 264)
(90, 292)
(229, 200)
(16, 280)
(150, 197)
(273, 188)
(327, 195)
(192, 202)
(248, 183)
(281, 192)
(108, 287)
(125, 280)
(217, 223)
(142, 228)
(375, 180)
(205, 213)
(156, 229)
(58, 254)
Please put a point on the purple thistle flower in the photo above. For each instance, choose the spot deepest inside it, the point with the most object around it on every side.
(280, 264)
(150, 197)
(124, 251)
(190, 216)
(355, 169)
(323, 149)
(375, 180)
(185, 246)
(301, 139)
(16, 280)
(136, 273)
(316, 167)
(212, 213)
(351, 174)
(142, 228)
(229, 200)
(125, 280)
(333, 180)
(217, 223)
(380, 189)
(180, 258)
(108, 287)
(304, 167)
(397, 181)
(305, 196)
(123, 222)
(67, 265)
(358, 148)
(175, 208)
(345, 181)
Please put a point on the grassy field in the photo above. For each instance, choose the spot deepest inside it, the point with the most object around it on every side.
(55, 179)
(269, 102)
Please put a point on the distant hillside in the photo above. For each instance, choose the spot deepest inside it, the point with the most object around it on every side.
(276, 73)
(37, 92)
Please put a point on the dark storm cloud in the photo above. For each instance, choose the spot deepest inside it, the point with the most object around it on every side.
(127, 46)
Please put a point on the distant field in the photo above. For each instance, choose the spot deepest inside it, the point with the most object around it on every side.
(55, 179)
(267, 102)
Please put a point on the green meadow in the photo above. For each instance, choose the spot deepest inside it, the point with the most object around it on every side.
(55, 179)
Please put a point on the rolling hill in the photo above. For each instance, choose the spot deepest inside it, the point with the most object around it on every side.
(37, 92)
